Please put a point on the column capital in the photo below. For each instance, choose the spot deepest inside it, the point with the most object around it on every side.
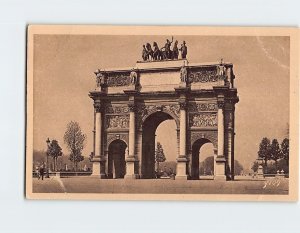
(182, 105)
(98, 106)
(132, 106)
(221, 104)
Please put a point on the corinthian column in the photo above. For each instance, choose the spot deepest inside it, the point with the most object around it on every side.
(220, 159)
(131, 161)
(98, 160)
(182, 160)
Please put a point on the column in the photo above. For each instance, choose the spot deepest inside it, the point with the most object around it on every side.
(220, 160)
(131, 159)
(97, 160)
(182, 160)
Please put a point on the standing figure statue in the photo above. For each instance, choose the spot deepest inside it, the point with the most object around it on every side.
(175, 51)
(183, 50)
(221, 68)
(100, 77)
(144, 53)
(183, 74)
(133, 77)
(167, 49)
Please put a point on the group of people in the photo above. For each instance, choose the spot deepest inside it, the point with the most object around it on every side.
(165, 53)
(40, 171)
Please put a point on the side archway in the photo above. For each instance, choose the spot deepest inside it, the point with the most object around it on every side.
(116, 159)
(194, 163)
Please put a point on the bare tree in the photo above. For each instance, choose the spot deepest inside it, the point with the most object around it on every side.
(75, 141)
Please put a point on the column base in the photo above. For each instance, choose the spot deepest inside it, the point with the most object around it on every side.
(100, 176)
(181, 177)
(220, 177)
(132, 177)
(131, 163)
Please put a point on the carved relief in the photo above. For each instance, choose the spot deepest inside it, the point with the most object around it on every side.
(211, 136)
(118, 80)
(117, 122)
(203, 120)
(203, 76)
(109, 109)
(200, 107)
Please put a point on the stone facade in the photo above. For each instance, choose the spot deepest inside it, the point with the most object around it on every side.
(131, 103)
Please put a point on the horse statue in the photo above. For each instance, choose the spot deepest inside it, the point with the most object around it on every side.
(157, 54)
(149, 52)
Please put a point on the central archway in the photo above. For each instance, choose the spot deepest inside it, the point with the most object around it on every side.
(148, 142)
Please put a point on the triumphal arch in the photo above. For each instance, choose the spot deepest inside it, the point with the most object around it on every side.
(130, 103)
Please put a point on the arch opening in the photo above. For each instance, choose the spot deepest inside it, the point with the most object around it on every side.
(116, 159)
(202, 160)
(148, 163)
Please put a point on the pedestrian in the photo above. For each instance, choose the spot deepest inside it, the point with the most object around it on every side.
(42, 172)
(37, 171)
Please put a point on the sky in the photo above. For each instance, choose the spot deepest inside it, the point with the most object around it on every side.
(63, 77)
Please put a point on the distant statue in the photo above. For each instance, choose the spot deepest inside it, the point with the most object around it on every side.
(175, 51)
(183, 50)
(144, 53)
(133, 77)
(157, 54)
(183, 74)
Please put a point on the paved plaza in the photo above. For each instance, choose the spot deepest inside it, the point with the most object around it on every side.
(159, 186)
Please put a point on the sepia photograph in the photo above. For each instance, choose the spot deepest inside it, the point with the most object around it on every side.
(162, 113)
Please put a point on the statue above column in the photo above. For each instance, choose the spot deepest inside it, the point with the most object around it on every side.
(165, 53)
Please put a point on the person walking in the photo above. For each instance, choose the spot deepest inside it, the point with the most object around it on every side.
(42, 170)
(37, 171)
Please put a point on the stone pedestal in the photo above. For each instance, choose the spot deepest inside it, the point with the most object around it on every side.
(96, 167)
(260, 172)
(181, 169)
(130, 169)
(220, 168)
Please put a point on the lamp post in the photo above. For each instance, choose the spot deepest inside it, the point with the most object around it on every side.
(47, 164)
